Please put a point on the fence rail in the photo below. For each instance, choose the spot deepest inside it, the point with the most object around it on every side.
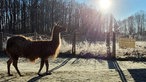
(75, 39)
(35, 36)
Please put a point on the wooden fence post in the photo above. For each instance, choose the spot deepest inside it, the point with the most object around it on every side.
(108, 45)
(35, 35)
(74, 44)
(114, 45)
(1, 41)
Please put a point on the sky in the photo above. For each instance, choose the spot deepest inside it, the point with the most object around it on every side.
(121, 9)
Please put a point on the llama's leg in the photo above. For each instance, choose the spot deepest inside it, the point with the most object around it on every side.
(15, 61)
(41, 66)
(8, 66)
(47, 66)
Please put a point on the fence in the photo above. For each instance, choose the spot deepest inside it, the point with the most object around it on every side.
(72, 39)
(4, 37)
(1, 41)
(110, 46)
(35, 36)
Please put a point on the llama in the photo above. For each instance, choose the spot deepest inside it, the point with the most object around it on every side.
(20, 46)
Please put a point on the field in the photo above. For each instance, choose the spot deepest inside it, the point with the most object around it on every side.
(77, 70)
(82, 68)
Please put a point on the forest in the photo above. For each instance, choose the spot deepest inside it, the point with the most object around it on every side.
(29, 16)
(90, 48)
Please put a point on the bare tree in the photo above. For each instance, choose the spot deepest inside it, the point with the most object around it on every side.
(131, 25)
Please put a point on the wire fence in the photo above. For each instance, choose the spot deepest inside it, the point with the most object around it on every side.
(35, 37)
(78, 44)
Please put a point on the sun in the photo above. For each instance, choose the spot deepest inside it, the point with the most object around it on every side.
(104, 4)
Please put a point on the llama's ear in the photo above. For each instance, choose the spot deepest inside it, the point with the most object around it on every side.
(55, 23)
(58, 23)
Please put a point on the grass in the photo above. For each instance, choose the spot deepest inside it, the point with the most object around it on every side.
(94, 49)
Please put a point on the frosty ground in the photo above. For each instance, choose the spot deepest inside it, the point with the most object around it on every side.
(76, 70)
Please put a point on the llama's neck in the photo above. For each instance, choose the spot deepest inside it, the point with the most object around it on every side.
(56, 43)
(56, 38)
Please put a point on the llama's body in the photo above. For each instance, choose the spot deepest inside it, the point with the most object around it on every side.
(32, 49)
(19, 46)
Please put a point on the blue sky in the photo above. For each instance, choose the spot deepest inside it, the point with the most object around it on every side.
(121, 8)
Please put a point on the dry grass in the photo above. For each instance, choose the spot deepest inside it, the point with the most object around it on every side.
(97, 48)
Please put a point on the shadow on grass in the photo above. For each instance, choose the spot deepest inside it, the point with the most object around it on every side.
(75, 61)
(139, 75)
(134, 59)
(8, 79)
(83, 55)
(113, 64)
(39, 77)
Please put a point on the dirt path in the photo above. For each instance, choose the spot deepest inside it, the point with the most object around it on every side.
(76, 70)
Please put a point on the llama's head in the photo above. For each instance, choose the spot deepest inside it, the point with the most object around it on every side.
(59, 28)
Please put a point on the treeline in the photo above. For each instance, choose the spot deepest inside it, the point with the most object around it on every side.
(28, 16)
(134, 24)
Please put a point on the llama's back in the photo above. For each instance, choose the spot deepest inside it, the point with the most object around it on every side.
(16, 44)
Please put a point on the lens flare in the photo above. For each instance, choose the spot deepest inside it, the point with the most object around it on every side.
(104, 4)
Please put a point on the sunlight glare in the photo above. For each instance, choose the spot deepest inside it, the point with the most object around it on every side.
(104, 4)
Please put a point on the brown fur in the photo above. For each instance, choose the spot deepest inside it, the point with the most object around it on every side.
(20, 46)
